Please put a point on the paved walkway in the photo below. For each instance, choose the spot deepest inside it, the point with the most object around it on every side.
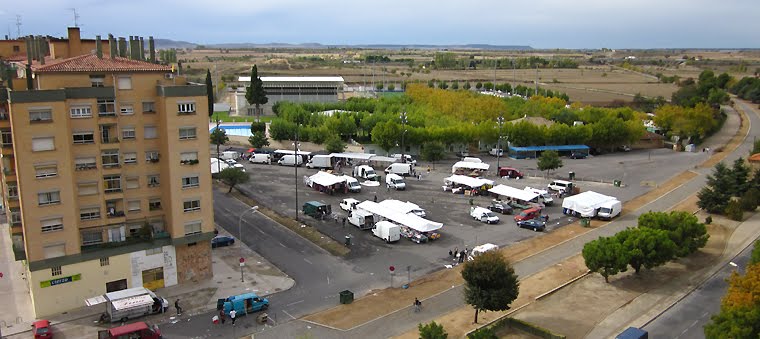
(260, 277)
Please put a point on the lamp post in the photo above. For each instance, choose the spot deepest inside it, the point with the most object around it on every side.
(295, 167)
(403, 132)
(218, 158)
(240, 234)
(500, 121)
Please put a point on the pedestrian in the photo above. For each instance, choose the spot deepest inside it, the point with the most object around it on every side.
(428, 169)
(461, 257)
(450, 253)
(164, 305)
(388, 187)
(232, 316)
(176, 305)
(456, 250)
(221, 316)
(344, 222)
(417, 305)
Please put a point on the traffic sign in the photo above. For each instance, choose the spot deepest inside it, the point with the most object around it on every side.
(392, 268)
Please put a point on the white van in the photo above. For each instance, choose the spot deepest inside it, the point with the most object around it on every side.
(387, 231)
(484, 215)
(290, 160)
(478, 250)
(395, 182)
(543, 194)
(353, 184)
(364, 171)
(406, 169)
(260, 158)
(408, 158)
(561, 186)
(609, 209)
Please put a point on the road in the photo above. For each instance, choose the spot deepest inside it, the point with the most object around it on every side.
(687, 318)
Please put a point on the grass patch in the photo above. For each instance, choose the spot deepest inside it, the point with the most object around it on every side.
(225, 117)
(308, 232)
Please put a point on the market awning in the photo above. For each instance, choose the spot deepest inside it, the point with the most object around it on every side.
(509, 191)
(326, 179)
(95, 300)
(250, 150)
(468, 181)
(471, 165)
(141, 300)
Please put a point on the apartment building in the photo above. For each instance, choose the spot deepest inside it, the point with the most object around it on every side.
(105, 176)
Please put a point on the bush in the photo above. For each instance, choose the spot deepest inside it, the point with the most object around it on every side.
(483, 333)
(734, 210)
(750, 199)
(708, 220)
(432, 331)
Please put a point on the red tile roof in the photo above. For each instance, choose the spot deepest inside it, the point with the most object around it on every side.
(754, 158)
(91, 63)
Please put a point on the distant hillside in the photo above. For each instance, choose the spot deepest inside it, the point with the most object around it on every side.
(167, 43)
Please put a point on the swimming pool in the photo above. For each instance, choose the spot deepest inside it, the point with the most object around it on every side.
(240, 130)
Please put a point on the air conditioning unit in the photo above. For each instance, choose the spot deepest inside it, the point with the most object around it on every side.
(169, 75)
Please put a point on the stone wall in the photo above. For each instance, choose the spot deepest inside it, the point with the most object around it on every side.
(194, 262)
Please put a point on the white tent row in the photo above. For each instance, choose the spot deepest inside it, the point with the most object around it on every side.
(586, 203)
(326, 179)
(218, 165)
(408, 220)
(403, 207)
(514, 193)
(470, 165)
(355, 156)
(468, 181)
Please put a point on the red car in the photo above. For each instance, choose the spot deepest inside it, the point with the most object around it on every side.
(531, 213)
(41, 329)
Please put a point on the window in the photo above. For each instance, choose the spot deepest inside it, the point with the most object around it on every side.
(56, 250)
(45, 170)
(54, 271)
(151, 156)
(89, 213)
(43, 144)
(106, 107)
(40, 115)
(130, 158)
(153, 251)
(84, 137)
(112, 183)
(149, 107)
(85, 163)
(13, 190)
(188, 158)
(116, 234)
(49, 198)
(193, 227)
(192, 205)
(154, 204)
(16, 48)
(186, 108)
(81, 111)
(52, 225)
(110, 158)
(133, 205)
(87, 188)
(133, 182)
(98, 80)
(92, 237)
(190, 182)
(104, 262)
(123, 82)
(187, 133)
(128, 133)
(150, 132)
(6, 137)
(153, 180)
(126, 109)
(15, 216)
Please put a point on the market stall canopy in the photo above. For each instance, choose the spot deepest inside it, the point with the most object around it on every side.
(468, 181)
(218, 166)
(326, 179)
(409, 220)
(355, 156)
(509, 191)
(586, 202)
(471, 165)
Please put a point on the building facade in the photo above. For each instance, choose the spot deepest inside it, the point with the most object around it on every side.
(105, 175)
(293, 89)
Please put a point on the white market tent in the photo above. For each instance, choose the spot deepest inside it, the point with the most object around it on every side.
(326, 179)
(409, 220)
(355, 156)
(586, 203)
(403, 207)
(468, 181)
(218, 165)
(514, 193)
(470, 165)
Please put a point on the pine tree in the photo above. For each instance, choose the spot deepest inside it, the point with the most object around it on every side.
(255, 93)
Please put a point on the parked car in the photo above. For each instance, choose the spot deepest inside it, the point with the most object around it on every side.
(484, 215)
(530, 213)
(533, 224)
(462, 154)
(510, 172)
(501, 207)
(496, 152)
(41, 329)
(578, 155)
(230, 161)
(625, 148)
(221, 241)
(348, 204)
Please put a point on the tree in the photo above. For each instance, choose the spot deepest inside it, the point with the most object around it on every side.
(605, 256)
(755, 256)
(750, 200)
(549, 161)
(380, 86)
(734, 210)
(432, 151)
(255, 93)
(683, 228)
(490, 283)
(739, 176)
(209, 92)
(233, 176)
(647, 247)
(432, 331)
(334, 144)
(455, 85)
(467, 85)
(218, 137)
(258, 140)
(478, 85)
(739, 315)
(483, 333)
(386, 134)
(391, 87)
(720, 187)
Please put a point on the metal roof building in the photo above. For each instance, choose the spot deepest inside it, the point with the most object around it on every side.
(290, 88)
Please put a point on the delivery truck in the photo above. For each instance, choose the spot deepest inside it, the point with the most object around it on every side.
(361, 218)
(364, 172)
(387, 231)
(405, 169)
(320, 161)
(128, 304)
(609, 209)
(290, 160)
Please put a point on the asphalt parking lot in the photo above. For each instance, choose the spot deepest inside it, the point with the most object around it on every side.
(640, 171)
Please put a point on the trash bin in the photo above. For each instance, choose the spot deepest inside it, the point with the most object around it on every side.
(346, 297)
(348, 240)
(616, 183)
(262, 318)
(571, 175)
(585, 222)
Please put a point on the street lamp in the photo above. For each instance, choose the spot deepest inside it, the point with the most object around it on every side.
(218, 157)
(403, 125)
(500, 121)
(240, 234)
(295, 167)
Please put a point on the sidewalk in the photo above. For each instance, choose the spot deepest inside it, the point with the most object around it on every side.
(260, 277)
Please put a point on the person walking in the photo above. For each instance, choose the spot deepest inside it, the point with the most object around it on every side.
(176, 305)
(222, 316)
(417, 305)
(232, 316)
(461, 256)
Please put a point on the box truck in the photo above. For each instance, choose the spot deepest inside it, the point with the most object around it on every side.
(609, 209)
(387, 231)
(320, 161)
(365, 172)
(362, 219)
(128, 304)
(290, 160)
(406, 169)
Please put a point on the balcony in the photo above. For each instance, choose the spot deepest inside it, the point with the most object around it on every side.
(149, 236)
(85, 167)
(115, 213)
(107, 114)
(109, 140)
(18, 247)
(112, 190)
(189, 162)
(152, 160)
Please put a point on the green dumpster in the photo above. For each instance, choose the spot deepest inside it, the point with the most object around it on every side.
(346, 297)
(571, 175)
(348, 240)
(585, 222)
(617, 183)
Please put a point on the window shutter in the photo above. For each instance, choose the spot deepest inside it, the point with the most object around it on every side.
(43, 144)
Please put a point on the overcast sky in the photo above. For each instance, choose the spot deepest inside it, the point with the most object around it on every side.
(537, 23)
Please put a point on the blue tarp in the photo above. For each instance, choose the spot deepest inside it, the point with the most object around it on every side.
(549, 148)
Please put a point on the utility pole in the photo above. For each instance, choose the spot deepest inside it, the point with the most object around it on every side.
(500, 122)
(295, 167)
(536, 92)
(495, 61)
(403, 132)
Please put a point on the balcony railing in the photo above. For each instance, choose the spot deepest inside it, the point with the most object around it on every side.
(106, 114)
(111, 140)
(113, 190)
(115, 214)
(153, 160)
(189, 162)
(84, 167)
